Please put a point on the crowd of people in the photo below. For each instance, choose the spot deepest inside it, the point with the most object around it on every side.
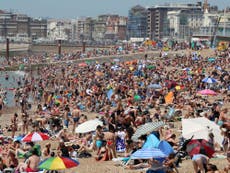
(124, 95)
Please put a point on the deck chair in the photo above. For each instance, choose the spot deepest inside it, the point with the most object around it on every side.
(121, 161)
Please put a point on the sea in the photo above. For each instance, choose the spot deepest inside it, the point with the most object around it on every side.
(9, 85)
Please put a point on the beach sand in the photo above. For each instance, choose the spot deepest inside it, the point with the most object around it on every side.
(89, 165)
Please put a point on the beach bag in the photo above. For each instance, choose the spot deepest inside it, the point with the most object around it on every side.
(84, 154)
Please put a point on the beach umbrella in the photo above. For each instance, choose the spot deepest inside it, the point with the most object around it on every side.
(35, 137)
(199, 146)
(137, 98)
(178, 87)
(115, 67)
(151, 142)
(116, 60)
(88, 62)
(207, 92)
(165, 147)
(218, 68)
(195, 58)
(146, 129)
(155, 86)
(150, 67)
(83, 64)
(211, 59)
(187, 69)
(209, 80)
(148, 153)
(109, 94)
(58, 99)
(88, 126)
(201, 127)
(98, 73)
(58, 163)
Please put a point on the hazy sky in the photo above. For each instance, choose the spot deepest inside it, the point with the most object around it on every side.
(77, 8)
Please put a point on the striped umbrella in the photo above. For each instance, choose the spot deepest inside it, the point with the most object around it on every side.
(58, 163)
(35, 136)
(209, 80)
(155, 86)
(146, 129)
(147, 153)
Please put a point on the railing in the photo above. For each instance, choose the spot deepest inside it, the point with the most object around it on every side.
(209, 33)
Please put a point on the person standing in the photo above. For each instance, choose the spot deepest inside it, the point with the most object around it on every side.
(200, 162)
(25, 122)
(1, 105)
(14, 121)
(76, 117)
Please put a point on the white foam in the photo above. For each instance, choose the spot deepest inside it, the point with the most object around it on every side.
(20, 73)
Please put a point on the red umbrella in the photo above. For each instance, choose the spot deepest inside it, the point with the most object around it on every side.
(83, 64)
(200, 146)
(35, 136)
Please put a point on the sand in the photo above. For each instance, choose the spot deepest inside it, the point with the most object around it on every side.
(89, 165)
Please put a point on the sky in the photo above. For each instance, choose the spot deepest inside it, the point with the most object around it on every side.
(76, 8)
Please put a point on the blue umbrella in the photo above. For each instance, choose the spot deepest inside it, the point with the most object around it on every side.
(211, 59)
(209, 80)
(155, 86)
(218, 68)
(151, 142)
(109, 94)
(195, 58)
(165, 147)
(147, 153)
(187, 69)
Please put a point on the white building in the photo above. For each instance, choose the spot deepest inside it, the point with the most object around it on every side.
(182, 23)
(59, 29)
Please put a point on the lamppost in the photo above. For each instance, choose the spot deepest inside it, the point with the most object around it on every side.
(7, 51)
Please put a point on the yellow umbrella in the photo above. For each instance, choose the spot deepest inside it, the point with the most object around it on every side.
(178, 87)
(131, 68)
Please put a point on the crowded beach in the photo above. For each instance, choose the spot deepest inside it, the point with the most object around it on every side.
(151, 114)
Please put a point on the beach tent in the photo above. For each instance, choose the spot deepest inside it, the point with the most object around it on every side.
(165, 147)
(151, 142)
(199, 128)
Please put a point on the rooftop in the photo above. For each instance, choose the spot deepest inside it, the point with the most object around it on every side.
(174, 5)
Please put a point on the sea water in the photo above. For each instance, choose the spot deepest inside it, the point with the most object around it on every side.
(9, 85)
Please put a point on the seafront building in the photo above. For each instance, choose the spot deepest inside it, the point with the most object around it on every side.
(20, 27)
(174, 20)
(137, 23)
